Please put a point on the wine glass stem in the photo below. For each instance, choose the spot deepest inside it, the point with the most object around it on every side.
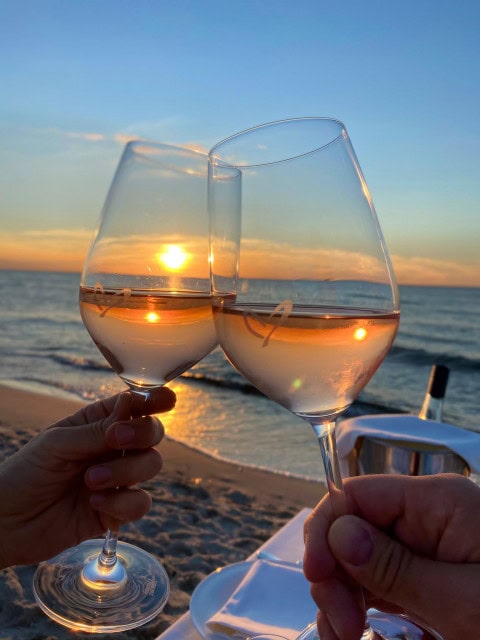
(105, 571)
(326, 439)
(108, 557)
(325, 433)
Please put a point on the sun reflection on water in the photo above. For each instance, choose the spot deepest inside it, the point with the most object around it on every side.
(194, 405)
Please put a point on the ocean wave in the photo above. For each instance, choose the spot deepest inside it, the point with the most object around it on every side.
(422, 357)
(236, 383)
(64, 320)
(79, 362)
(434, 335)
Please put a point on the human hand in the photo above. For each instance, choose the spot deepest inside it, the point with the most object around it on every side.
(69, 481)
(413, 543)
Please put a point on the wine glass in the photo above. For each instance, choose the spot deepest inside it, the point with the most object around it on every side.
(308, 306)
(145, 300)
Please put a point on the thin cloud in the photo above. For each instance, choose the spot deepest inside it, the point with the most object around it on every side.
(90, 137)
(435, 272)
(195, 146)
(161, 130)
(123, 138)
(56, 234)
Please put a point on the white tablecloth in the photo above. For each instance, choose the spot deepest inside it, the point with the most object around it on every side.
(287, 544)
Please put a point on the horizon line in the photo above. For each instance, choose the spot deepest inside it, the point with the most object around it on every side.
(400, 284)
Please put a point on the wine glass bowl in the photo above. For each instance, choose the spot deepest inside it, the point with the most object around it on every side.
(314, 279)
(306, 304)
(145, 291)
(145, 300)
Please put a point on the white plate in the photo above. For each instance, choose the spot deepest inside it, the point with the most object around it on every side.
(213, 592)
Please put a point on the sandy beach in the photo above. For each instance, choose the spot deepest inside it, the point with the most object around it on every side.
(206, 513)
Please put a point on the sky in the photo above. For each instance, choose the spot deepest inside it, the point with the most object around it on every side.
(80, 78)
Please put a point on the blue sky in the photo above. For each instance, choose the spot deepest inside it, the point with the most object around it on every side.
(79, 78)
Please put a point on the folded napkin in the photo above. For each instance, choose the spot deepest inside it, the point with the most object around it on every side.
(409, 427)
(273, 597)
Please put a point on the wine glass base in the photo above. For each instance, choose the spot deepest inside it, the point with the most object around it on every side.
(384, 626)
(388, 626)
(67, 598)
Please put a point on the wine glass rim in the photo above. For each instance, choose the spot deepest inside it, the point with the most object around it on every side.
(220, 161)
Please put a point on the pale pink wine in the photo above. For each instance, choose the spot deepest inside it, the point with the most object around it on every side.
(151, 337)
(312, 360)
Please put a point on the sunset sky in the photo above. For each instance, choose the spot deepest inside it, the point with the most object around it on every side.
(79, 79)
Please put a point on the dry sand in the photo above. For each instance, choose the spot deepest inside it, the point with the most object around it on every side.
(206, 513)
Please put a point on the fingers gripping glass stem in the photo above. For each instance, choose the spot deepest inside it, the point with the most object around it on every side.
(326, 438)
(105, 571)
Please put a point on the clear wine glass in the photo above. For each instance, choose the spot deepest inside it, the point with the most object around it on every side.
(308, 304)
(145, 300)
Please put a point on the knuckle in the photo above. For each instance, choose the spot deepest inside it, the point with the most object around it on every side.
(50, 435)
(55, 440)
(153, 461)
(156, 427)
(391, 568)
(96, 432)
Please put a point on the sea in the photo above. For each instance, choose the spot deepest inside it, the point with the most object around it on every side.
(44, 347)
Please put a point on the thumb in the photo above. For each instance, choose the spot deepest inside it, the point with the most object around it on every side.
(389, 570)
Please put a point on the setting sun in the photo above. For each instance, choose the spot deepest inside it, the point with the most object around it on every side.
(173, 256)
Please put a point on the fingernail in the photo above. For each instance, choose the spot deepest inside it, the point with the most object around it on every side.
(99, 475)
(351, 541)
(124, 433)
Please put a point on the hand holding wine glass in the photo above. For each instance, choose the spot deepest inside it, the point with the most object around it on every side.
(427, 529)
(59, 489)
(145, 300)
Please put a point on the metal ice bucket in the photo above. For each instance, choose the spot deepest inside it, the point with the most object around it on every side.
(376, 455)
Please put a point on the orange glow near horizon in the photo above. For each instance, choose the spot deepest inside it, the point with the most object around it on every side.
(65, 250)
(45, 250)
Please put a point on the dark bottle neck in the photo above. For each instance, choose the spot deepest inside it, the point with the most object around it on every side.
(432, 406)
